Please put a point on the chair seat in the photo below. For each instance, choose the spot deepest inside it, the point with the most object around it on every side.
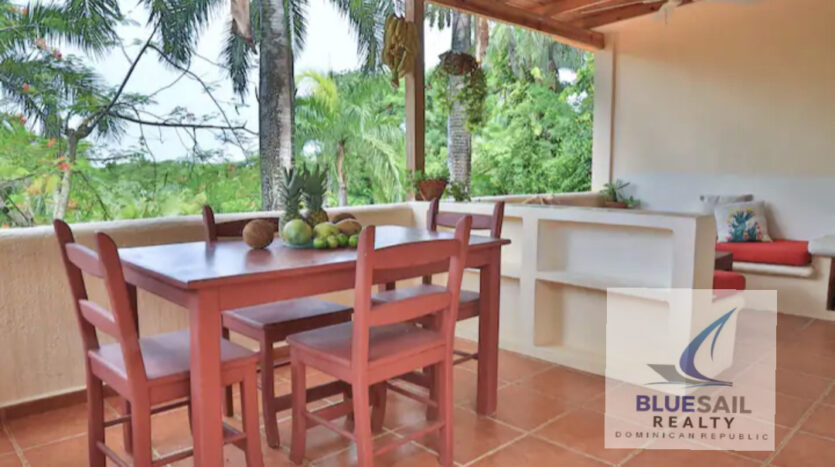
(294, 315)
(167, 356)
(468, 300)
(385, 343)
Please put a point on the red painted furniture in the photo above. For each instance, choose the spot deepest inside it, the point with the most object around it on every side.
(784, 252)
(207, 278)
(270, 324)
(469, 301)
(151, 373)
(382, 343)
(728, 280)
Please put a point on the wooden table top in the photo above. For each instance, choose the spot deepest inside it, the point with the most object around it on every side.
(196, 265)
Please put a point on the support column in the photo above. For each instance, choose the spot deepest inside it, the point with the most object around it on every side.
(604, 116)
(416, 95)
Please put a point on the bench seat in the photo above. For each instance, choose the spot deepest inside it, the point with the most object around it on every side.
(778, 252)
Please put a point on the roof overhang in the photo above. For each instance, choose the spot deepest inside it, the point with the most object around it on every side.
(568, 21)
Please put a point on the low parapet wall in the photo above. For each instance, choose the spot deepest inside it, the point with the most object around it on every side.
(42, 354)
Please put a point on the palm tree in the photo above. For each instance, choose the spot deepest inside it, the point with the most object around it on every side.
(459, 139)
(523, 50)
(344, 119)
(279, 29)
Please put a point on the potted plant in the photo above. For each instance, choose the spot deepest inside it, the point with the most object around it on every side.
(430, 184)
(473, 85)
(614, 196)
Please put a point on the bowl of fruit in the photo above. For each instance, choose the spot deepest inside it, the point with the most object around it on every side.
(312, 228)
(328, 235)
(344, 233)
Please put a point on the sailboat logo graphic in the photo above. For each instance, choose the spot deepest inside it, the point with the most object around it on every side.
(689, 375)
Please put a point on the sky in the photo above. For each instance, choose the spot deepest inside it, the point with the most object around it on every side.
(330, 46)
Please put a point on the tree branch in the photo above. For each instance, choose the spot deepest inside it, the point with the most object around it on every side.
(91, 122)
(96, 194)
(206, 89)
(192, 126)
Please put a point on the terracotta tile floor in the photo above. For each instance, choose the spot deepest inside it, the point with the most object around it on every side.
(547, 415)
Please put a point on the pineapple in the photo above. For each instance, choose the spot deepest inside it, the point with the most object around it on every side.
(315, 186)
(289, 194)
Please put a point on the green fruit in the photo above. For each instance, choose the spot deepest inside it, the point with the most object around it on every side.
(297, 232)
(342, 239)
(320, 243)
(333, 242)
(354, 240)
(325, 229)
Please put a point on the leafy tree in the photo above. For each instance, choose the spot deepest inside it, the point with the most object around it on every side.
(538, 139)
(351, 128)
(66, 96)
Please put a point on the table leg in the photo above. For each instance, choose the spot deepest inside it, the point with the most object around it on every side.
(488, 335)
(206, 420)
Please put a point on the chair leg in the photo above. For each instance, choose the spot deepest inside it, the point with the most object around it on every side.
(127, 433)
(445, 409)
(362, 426)
(249, 412)
(378, 414)
(95, 421)
(268, 394)
(141, 427)
(228, 404)
(299, 387)
(432, 374)
(347, 396)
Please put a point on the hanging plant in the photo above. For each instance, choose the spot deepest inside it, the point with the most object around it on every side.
(400, 47)
(473, 91)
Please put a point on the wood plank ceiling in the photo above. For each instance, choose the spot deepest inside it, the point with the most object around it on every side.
(569, 21)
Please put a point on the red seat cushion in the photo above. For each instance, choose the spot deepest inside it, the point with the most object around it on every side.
(785, 252)
(728, 280)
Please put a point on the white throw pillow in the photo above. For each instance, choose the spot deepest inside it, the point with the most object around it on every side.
(709, 202)
(741, 222)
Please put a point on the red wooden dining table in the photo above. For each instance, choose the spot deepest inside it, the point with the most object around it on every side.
(208, 278)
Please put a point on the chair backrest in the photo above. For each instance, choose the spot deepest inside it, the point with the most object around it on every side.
(436, 218)
(119, 322)
(213, 230)
(443, 304)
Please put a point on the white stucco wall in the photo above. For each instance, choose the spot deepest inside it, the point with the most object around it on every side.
(724, 97)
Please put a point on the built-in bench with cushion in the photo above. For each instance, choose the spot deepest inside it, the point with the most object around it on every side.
(778, 257)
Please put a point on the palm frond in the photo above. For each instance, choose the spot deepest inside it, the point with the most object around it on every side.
(179, 23)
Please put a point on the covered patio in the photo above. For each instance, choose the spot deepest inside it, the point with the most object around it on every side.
(689, 101)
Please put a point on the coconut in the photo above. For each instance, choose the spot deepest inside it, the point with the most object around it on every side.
(349, 226)
(341, 216)
(259, 233)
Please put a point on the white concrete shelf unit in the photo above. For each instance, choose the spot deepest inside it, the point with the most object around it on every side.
(561, 261)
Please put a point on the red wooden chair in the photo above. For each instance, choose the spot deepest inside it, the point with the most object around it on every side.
(270, 324)
(469, 302)
(151, 373)
(382, 343)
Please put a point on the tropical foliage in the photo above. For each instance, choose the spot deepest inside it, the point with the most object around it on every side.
(56, 111)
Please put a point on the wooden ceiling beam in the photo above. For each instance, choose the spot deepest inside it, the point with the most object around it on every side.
(595, 20)
(565, 32)
(594, 8)
(558, 7)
